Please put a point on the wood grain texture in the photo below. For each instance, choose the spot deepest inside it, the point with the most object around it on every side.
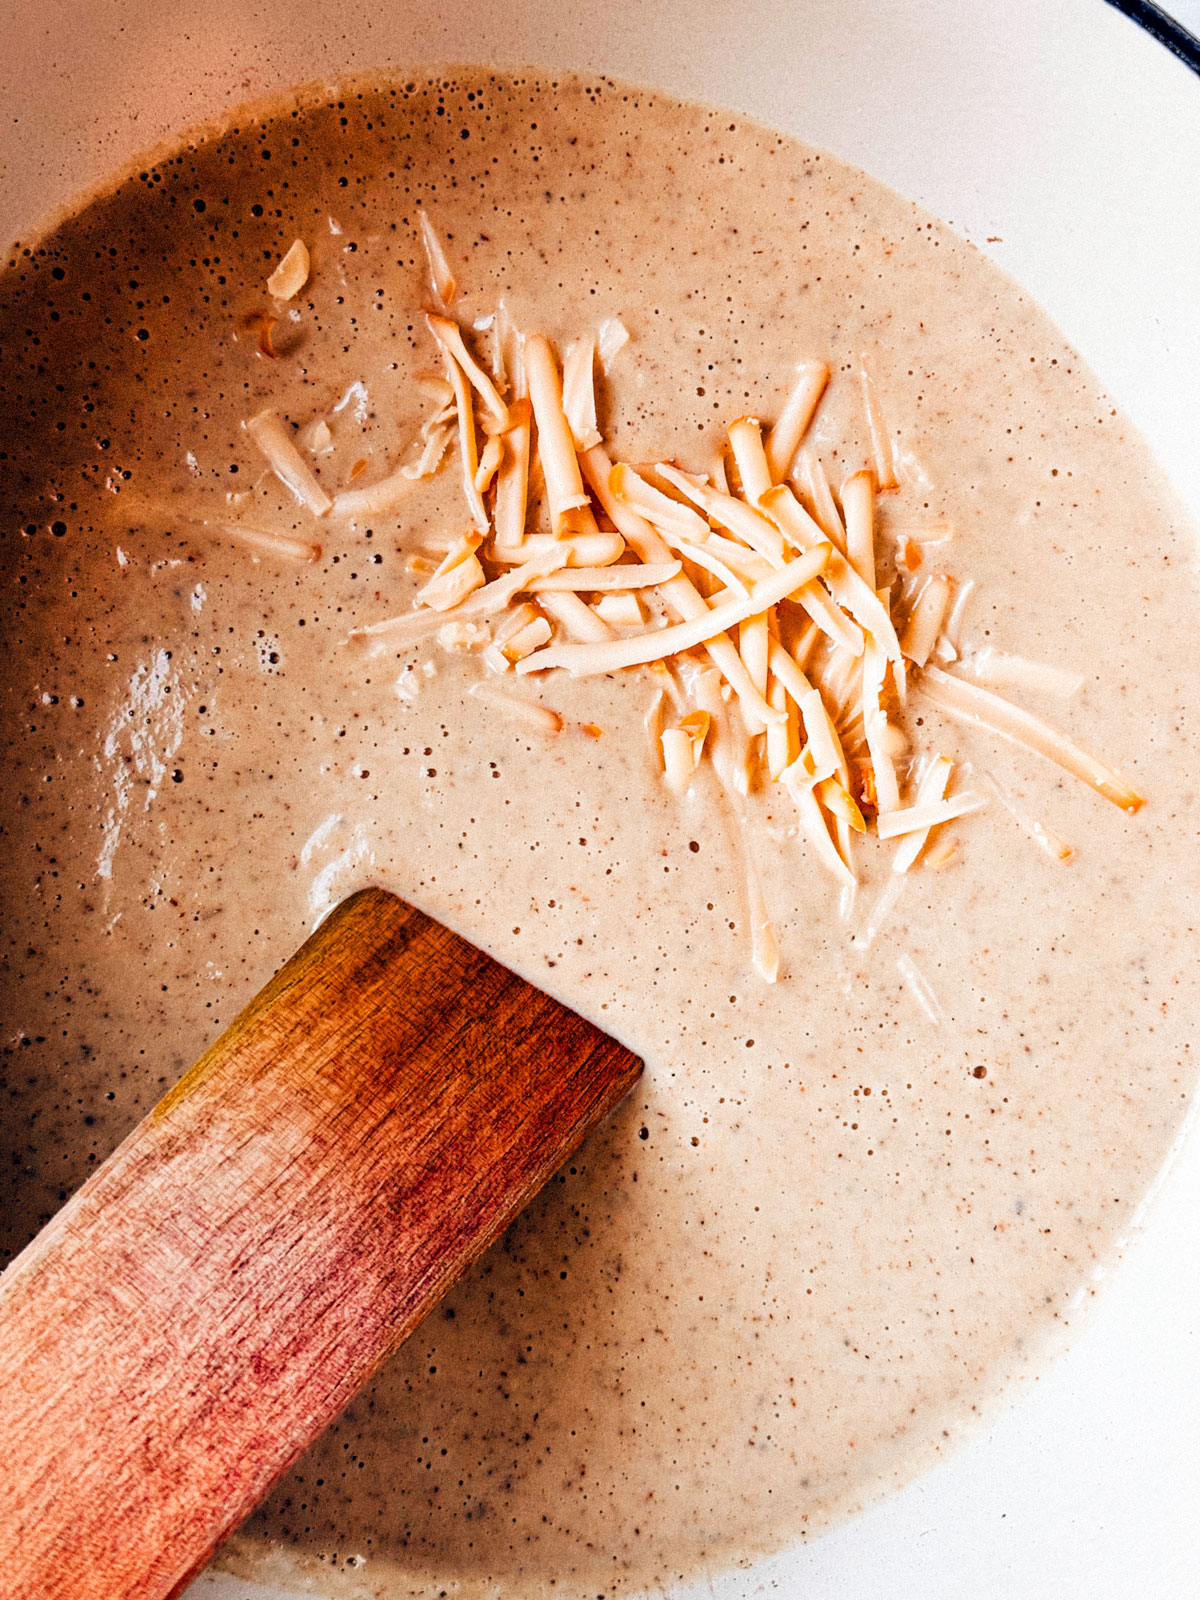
(217, 1291)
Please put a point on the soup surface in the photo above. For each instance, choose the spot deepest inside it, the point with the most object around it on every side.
(841, 1212)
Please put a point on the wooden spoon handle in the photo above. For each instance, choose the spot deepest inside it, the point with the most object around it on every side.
(217, 1291)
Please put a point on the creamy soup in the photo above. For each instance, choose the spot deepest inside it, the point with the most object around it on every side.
(841, 1212)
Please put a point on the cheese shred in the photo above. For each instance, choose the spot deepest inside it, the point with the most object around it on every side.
(785, 437)
(286, 462)
(589, 661)
(441, 279)
(291, 274)
(968, 703)
(570, 508)
(758, 608)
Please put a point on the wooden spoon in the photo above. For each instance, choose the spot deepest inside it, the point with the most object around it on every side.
(215, 1294)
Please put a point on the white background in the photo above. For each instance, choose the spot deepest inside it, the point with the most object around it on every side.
(1188, 13)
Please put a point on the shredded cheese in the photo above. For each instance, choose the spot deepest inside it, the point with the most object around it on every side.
(484, 602)
(570, 508)
(449, 336)
(441, 279)
(815, 480)
(579, 393)
(728, 742)
(526, 640)
(748, 565)
(920, 988)
(581, 550)
(846, 585)
(667, 515)
(436, 389)
(512, 479)
(462, 635)
(682, 748)
(468, 450)
(437, 437)
(754, 643)
(764, 947)
(875, 725)
(317, 438)
(290, 276)
(286, 462)
(1049, 842)
(743, 521)
(643, 575)
(538, 718)
(680, 595)
(513, 621)
(678, 765)
(929, 814)
(925, 620)
(881, 439)
(979, 706)
(954, 622)
(799, 780)
(591, 660)
(785, 437)
(824, 745)
(1016, 672)
(839, 802)
(745, 590)
(703, 557)
(623, 609)
(652, 722)
(489, 463)
(750, 458)
(578, 621)
(612, 337)
(931, 788)
(782, 737)
(376, 499)
(830, 618)
(458, 576)
(858, 510)
(266, 543)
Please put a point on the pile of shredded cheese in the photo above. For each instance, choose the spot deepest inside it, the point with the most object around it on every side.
(749, 595)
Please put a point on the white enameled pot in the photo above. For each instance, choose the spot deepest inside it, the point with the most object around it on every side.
(1065, 142)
